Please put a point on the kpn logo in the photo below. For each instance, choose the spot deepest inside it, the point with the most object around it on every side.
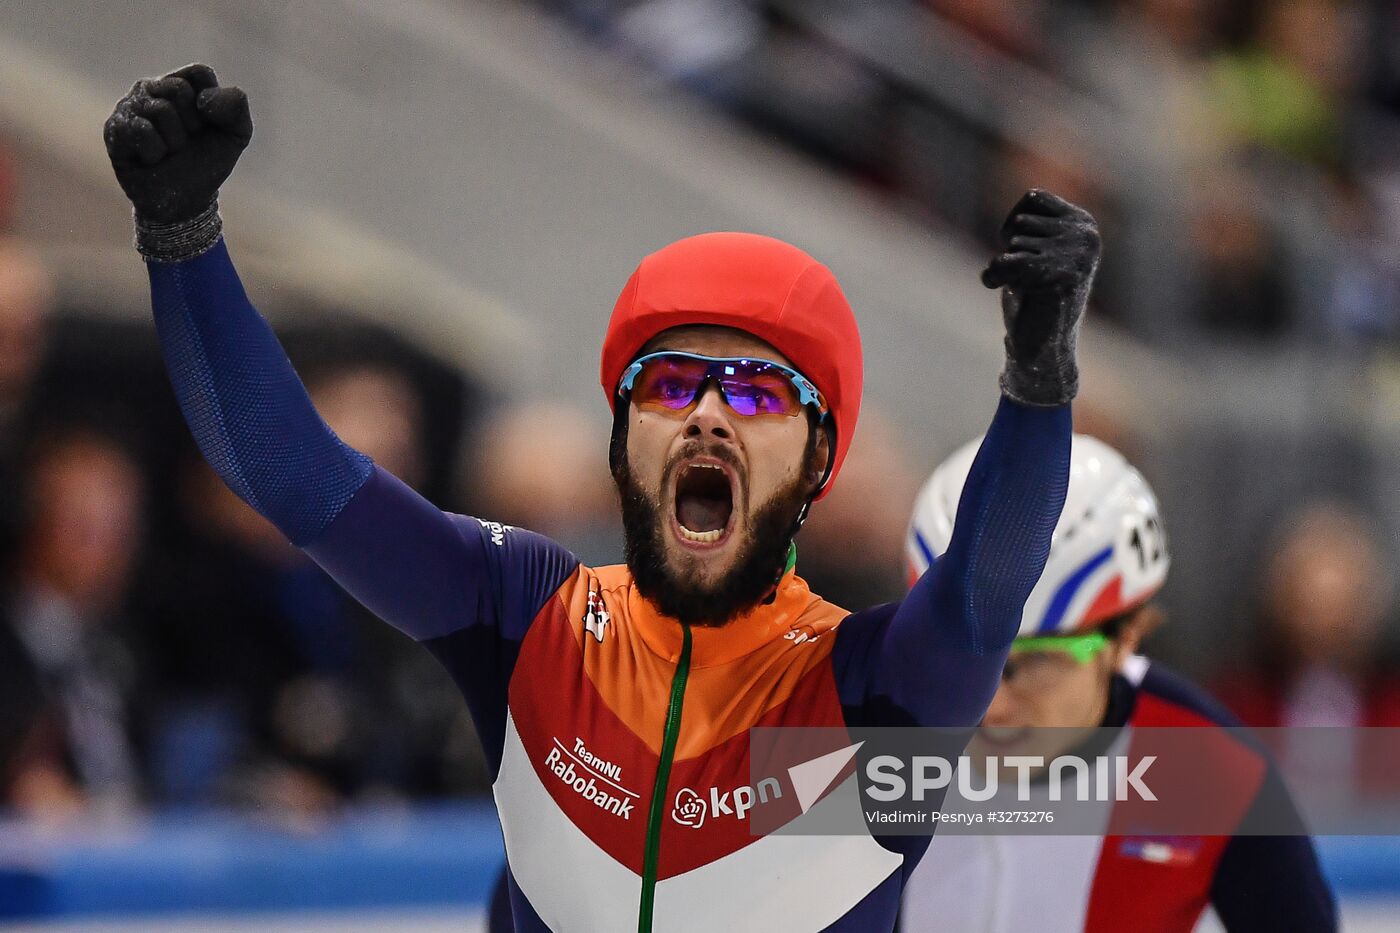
(691, 809)
(809, 781)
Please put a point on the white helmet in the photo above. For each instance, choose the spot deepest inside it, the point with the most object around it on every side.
(1108, 553)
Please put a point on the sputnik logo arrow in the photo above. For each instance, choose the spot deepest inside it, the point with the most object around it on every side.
(813, 778)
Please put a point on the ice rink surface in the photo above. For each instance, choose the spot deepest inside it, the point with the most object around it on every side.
(469, 921)
(1359, 915)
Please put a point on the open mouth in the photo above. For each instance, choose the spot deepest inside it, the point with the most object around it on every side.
(704, 503)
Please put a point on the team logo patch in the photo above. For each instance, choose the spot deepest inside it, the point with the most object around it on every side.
(689, 809)
(597, 617)
(497, 530)
(593, 778)
(1161, 850)
(801, 634)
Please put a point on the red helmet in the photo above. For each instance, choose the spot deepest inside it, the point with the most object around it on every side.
(756, 284)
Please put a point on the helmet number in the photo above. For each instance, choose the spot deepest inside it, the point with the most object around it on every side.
(1147, 542)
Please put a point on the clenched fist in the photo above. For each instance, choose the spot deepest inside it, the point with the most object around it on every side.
(173, 141)
(1050, 251)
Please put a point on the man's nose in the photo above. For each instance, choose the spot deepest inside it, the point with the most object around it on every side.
(710, 417)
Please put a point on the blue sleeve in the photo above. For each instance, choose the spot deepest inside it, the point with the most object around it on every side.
(936, 659)
(1267, 883)
(467, 589)
(1272, 882)
(431, 573)
(248, 411)
(424, 571)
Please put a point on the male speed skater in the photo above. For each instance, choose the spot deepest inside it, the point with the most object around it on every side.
(614, 703)
(1074, 668)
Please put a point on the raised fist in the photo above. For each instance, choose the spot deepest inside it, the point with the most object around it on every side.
(1047, 244)
(174, 140)
(1049, 253)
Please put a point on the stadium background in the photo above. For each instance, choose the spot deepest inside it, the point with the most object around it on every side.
(439, 207)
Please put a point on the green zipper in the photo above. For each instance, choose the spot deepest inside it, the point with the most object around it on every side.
(663, 777)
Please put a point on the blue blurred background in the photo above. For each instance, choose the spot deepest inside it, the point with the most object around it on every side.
(443, 198)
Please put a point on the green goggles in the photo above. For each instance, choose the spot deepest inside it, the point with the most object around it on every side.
(1082, 648)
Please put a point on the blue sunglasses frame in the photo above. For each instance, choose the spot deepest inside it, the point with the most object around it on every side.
(807, 394)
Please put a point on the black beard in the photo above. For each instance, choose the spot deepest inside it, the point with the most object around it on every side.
(762, 556)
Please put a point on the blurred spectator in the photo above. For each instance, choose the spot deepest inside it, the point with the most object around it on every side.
(543, 466)
(1190, 28)
(1159, 92)
(26, 295)
(1383, 39)
(1362, 299)
(375, 408)
(1142, 99)
(1009, 26)
(217, 645)
(1288, 89)
(1326, 593)
(65, 655)
(368, 711)
(403, 407)
(699, 41)
(1238, 285)
(277, 689)
(9, 186)
(821, 98)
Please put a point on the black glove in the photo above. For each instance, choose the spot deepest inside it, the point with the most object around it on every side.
(173, 141)
(1050, 250)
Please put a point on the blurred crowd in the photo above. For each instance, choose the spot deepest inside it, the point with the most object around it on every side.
(1251, 143)
(1322, 638)
(160, 644)
(163, 645)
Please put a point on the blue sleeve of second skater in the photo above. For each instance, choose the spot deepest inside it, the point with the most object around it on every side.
(936, 659)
